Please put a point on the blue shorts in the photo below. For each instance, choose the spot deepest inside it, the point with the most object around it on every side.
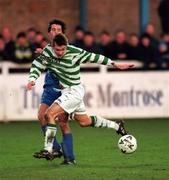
(51, 89)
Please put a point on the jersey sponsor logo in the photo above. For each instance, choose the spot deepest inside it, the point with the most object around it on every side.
(46, 60)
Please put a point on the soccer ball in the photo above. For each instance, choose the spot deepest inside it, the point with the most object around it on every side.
(127, 144)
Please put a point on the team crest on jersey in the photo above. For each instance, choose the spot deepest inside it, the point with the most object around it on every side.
(43, 59)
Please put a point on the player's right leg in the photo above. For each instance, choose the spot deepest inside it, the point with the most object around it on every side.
(41, 117)
(41, 112)
(50, 94)
(50, 116)
(47, 99)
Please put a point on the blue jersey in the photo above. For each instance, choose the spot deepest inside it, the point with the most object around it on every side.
(51, 81)
(51, 89)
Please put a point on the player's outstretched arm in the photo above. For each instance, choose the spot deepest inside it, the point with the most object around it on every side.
(100, 59)
(122, 66)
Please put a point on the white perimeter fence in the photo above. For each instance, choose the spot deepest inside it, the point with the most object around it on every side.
(133, 94)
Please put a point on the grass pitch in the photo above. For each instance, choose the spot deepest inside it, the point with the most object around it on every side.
(96, 153)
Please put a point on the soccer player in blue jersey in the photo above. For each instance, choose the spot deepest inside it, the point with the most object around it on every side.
(51, 91)
(64, 60)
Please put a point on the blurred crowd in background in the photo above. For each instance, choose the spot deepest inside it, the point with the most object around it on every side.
(152, 51)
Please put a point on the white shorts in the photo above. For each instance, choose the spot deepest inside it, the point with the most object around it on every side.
(71, 100)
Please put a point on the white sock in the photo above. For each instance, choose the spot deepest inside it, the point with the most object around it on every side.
(49, 137)
(101, 122)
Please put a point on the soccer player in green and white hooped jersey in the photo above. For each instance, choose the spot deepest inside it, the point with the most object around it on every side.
(51, 91)
(64, 60)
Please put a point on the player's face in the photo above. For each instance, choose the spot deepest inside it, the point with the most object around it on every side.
(59, 50)
(55, 29)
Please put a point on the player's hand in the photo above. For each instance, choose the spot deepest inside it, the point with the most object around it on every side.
(38, 50)
(30, 85)
(122, 66)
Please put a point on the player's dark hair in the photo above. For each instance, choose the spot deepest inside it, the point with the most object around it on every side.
(57, 22)
(60, 40)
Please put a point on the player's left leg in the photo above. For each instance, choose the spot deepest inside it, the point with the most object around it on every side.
(97, 121)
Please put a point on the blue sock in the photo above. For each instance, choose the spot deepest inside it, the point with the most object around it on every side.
(67, 146)
(56, 145)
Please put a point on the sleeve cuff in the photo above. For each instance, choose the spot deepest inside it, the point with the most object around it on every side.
(31, 79)
(110, 62)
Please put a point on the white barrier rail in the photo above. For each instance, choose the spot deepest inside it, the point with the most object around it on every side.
(113, 94)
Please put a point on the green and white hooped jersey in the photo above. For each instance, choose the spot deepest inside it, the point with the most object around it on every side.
(67, 68)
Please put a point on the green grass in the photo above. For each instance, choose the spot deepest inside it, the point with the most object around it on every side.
(96, 152)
